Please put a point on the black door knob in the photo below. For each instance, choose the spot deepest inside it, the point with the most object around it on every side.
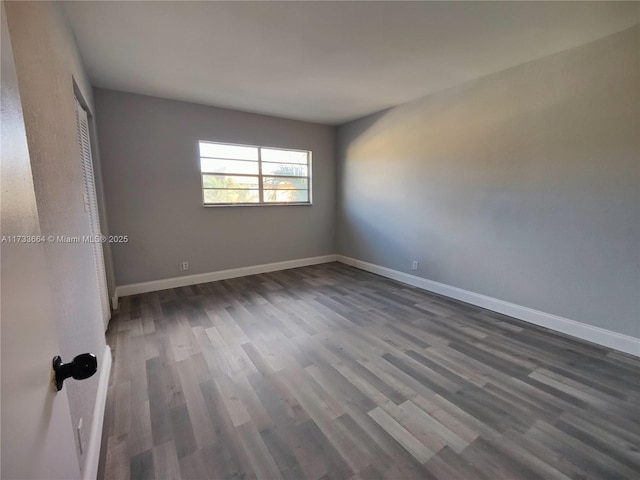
(81, 367)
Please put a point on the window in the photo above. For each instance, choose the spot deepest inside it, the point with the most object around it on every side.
(251, 175)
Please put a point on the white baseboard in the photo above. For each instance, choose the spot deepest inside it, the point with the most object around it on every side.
(153, 286)
(607, 338)
(600, 336)
(90, 470)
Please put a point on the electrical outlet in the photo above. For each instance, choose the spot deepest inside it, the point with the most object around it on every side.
(79, 433)
(184, 266)
(414, 265)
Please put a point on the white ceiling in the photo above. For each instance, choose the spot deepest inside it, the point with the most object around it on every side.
(323, 61)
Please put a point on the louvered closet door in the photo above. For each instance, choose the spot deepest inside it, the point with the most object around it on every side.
(91, 207)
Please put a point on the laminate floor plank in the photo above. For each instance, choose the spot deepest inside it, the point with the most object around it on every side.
(401, 435)
(447, 464)
(329, 372)
(165, 461)
(142, 466)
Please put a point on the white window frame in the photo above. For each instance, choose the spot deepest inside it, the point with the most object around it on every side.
(259, 175)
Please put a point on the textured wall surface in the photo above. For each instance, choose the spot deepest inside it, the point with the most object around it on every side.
(151, 174)
(36, 433)
(523, 185)
(47, 64)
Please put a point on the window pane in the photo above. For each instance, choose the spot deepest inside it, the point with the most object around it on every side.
(226, 181)
(219, 150)
(283, 156)
(231, 196)
(216, 165)
(274, 196)
(238, 174)
(284, 169)
(284, 183)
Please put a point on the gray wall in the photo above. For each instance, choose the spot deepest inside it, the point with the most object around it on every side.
(48, 64)
(523, 185)
(151, 175)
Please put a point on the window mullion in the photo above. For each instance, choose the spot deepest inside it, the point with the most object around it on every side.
(309, 177)
(260, 185)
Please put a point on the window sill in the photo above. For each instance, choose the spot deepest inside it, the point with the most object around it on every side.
(284, 204)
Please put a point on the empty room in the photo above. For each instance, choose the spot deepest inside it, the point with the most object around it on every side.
(320, 240)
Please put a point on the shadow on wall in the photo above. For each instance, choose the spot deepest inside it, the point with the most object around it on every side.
(522, 185)
(392, 192)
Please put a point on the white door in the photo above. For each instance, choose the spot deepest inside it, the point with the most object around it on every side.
(37, 436)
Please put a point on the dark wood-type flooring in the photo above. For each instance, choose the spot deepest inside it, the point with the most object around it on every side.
(331, 372)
